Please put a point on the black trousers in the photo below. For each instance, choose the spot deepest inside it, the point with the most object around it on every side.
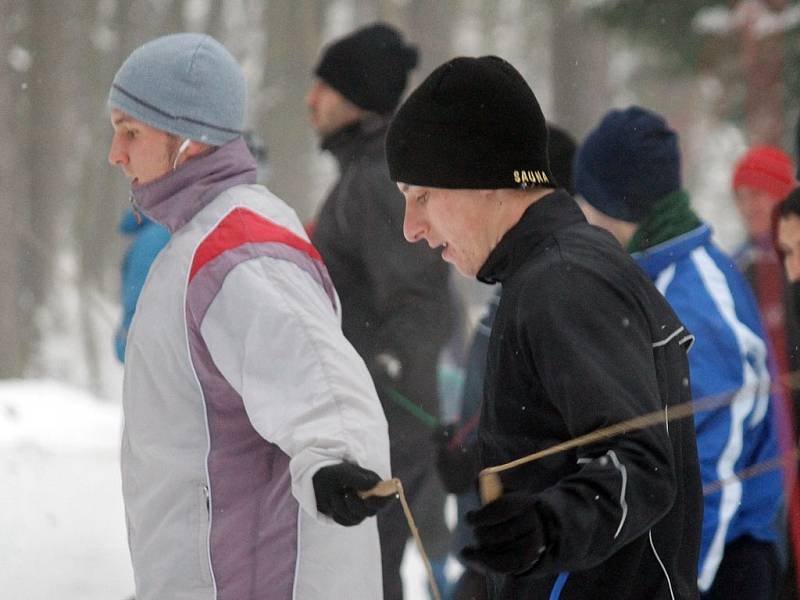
(749, 570)
(471, 586)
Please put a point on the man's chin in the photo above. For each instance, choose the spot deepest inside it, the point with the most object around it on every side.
(462, 269)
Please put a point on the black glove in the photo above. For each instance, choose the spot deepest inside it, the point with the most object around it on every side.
(509, 534)
(457, 464)
(336, 488)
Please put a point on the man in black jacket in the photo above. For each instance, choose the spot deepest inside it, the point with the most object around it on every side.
(396, 307)
(581, 340)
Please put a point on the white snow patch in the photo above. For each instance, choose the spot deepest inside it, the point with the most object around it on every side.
(54, 418)
(61, 508)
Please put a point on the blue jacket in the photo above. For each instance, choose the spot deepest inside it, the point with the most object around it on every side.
(148, 240)
(729, 357)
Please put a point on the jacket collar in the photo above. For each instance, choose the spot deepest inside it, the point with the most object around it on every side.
(657, 258)
(176, 197)
(538, 223)
(366, 135)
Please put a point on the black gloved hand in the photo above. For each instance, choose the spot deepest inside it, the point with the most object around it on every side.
(509, 533)
(336, 488)
(456, 464)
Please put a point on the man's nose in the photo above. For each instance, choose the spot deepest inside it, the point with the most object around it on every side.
(116, 157)
(312, 95)
(413, 225)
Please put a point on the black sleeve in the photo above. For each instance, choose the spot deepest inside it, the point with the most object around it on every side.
(409, 281)
(594, 355)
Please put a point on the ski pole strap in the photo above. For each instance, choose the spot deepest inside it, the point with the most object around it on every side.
(394, 487)
(428, 419)
(489, 479)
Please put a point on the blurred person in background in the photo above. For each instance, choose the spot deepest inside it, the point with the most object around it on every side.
(786, 227)
(396, 305)
(761, 179)
(146, 241)
(628, 171)
(457, 443)
(787, 235)
(250, 423)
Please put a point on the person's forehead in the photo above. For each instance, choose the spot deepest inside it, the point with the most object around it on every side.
(323, 87)
(120, 118)
(410, 188)
(789, 225)
(746, 192)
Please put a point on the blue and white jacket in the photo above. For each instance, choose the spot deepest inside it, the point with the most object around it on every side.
(729, 359)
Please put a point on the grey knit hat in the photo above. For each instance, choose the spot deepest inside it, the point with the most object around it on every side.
(187, 84)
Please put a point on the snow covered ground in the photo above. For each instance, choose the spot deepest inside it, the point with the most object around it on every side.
(62, 529)
(61, 517)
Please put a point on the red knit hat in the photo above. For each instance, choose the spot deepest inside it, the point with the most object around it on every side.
(768, 169)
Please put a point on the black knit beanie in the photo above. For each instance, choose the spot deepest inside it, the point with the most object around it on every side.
(561, 148)
(474, 123)
(369, 67)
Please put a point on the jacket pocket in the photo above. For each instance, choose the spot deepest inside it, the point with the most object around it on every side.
(202, 533)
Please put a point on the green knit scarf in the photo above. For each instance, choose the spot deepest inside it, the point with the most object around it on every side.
(670, 217)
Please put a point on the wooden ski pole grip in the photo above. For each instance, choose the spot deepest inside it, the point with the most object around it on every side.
(491, 487)
(385, 488)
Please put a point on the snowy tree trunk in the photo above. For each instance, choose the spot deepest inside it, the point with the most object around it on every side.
(293, 45)
(12, 195)
(579, 70)
(762, 64)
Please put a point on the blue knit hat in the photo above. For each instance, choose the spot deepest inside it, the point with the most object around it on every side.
(187, 84)
(628, 163)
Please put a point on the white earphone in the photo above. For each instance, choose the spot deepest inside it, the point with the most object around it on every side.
(181, 150)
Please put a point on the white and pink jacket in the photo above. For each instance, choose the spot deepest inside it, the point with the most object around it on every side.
(239, 386)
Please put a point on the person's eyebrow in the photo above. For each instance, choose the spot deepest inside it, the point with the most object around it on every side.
(122, 120)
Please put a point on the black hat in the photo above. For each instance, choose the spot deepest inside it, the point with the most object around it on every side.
(474, 123)
(369, 67)
(561, 148)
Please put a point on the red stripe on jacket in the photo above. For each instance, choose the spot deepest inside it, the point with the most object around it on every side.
(242, 226)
